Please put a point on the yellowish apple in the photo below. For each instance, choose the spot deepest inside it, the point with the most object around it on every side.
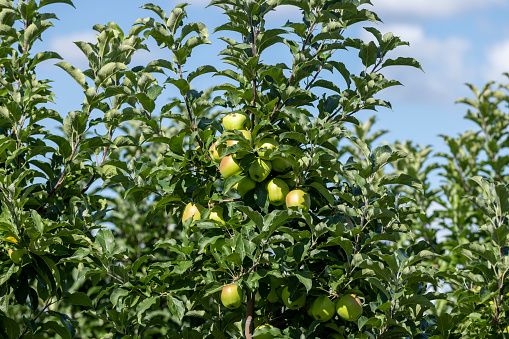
(217, 214)
(229, 167)
(231, 296)
(215, 152)
(265, 147)
(192, 210)
(298, 198)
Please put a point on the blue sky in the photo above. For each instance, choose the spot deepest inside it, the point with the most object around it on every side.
(456, 41)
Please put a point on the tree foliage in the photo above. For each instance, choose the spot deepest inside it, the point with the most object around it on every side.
(94, 239)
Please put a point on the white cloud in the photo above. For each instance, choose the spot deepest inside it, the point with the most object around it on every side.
(444, 60)
(64, 45)
(430, 8)
(497, 62)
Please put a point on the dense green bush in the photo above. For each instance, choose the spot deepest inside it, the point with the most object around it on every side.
(93, 240)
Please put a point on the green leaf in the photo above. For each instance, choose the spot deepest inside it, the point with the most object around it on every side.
(75, 73)
(146, 304)
(105, 238)
(323, 191)
(177, 307)
(117, 294)
(39, 225)
(255, 216)
(181, 84)
(35, 30)
(200, 71)
(108, 71)
(156, 9)
(49, 2)
(6, 272)
(305, 278)
(6, 31)
(62, 331)
(402, 62)
(43, 56)
(402, 179)
(175, 18)
(11, 327)
(140, 262)
(368, 54)
(79, 298)
(75, 124)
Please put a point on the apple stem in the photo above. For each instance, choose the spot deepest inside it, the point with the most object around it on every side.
(249, 329)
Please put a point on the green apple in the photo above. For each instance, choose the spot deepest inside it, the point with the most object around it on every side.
(272, 297)
(16, 255)
(244, 185)
(280, 165)
(265, 147)
(295, 304)
(277, 190)
(215, 152)
(229, 167)
(264, 335)
(310, 307)
(217, 214)
(349, 307)
(192, 210)
(298, 198)
(235, 121)
(231, 296)
(323, 308)
(260, 169)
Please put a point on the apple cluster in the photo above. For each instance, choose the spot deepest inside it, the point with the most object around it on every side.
(322, 308)
(278, 191)
(268, 170)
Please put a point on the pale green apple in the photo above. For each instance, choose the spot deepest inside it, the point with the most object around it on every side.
(295, 304)
(16, 255)
(229, 167)
(235, 121)
(265, 147)
(244, 185)
(260, 169)
(323, 308)
(264, 335)
(215, 152)
(280, 165)
(277, 190)
(349, 307)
